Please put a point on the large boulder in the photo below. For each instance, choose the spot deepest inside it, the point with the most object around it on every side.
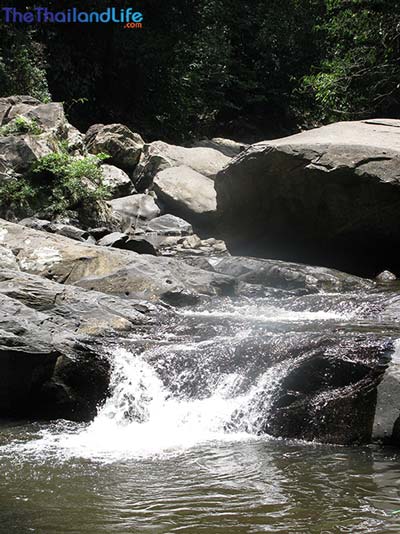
(20, 152)
(47, 119)
(158, 156)
(228, 147)
(117, 181)
(186, 193)
(329, 388)
(109, 270)
(8, 103)
(328, 196)
(134, 209)
(118, 141)
(169, 225)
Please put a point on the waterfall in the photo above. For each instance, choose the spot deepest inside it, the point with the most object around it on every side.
(145, 417)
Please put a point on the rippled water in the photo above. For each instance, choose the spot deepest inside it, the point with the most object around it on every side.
(176, 448)
(246, 486)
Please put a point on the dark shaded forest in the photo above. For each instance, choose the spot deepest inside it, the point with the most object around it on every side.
(247, 70)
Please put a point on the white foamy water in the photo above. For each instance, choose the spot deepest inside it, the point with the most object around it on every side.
(143, 418)
(268, 314)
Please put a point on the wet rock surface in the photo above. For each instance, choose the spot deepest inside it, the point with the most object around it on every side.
(52, 361)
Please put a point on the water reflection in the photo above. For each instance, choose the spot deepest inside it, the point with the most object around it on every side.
(244, 487)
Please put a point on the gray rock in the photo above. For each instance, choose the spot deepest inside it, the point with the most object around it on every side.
(289, 276)
(48, 117)
(70, 231)
(7, 259)
(159, 155)
(328, 196)
(36, 224)
(98, 233)
(186, 193)
(152, 278)
(117, 181)
(386, 276)
(7, 103)
(328, 393)
(118, 141)
(50, 362)
(109, 270)
(134, 208)
(20, 152)
(169, 225)
(115, 240)
(228, 147)
(142, 245)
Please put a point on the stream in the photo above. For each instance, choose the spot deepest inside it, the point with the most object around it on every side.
(179, 446)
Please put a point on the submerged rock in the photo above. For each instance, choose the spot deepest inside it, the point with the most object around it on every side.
(328, 196)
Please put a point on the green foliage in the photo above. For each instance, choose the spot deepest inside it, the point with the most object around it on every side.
(22, 62)
(245, 69)
(56, 185)
(360, 71)
(21, 125)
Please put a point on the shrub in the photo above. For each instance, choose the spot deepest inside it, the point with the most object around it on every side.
(21, 125)
(56, 185)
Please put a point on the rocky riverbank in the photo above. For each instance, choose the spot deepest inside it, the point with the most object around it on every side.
(118, 269)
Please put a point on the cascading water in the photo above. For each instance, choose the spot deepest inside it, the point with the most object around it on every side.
(143, 417)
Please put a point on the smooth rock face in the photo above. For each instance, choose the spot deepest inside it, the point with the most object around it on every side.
(117, 181)
(134, 209)
(151, 278)
(159, 155)
(328, 196)
(118, 141)
(186, 193)
(228, 147)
